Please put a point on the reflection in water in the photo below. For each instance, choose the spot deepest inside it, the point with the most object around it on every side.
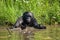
(16, 34)
(51, 33)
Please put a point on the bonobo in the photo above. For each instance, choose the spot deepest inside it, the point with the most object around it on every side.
(27, 19)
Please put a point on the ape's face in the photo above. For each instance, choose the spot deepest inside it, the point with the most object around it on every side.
(27, 17)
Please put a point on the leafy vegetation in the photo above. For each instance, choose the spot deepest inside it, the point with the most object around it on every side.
(45, 11)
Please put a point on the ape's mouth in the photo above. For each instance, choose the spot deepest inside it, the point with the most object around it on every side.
(28, 20)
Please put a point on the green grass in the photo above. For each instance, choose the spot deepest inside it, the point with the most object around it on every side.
(45, 11)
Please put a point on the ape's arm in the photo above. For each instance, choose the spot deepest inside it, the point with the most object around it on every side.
(38, 26)
(18, 22)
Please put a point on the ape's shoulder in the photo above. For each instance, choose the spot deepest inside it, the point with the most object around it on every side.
(20, 18)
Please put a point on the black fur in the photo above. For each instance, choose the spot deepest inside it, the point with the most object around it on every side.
(27, 19)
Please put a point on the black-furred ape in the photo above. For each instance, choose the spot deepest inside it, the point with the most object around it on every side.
(28, 19)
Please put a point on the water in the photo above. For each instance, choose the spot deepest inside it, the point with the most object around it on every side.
(51, 33)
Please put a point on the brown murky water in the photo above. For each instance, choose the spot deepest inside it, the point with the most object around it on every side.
(30, 33)
(17, 33)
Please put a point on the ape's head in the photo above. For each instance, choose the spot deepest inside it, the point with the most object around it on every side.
(27, 16)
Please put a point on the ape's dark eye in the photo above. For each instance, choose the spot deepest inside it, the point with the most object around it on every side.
(28, 16)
